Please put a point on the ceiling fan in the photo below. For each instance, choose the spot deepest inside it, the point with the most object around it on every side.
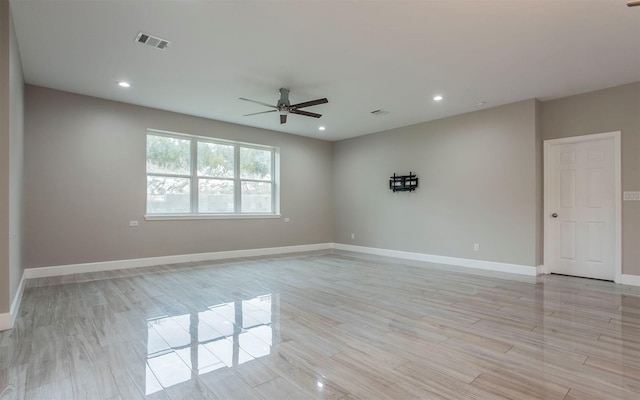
(284, 107)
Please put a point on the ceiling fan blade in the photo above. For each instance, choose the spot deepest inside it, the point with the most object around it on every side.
(305, 113)
(283, 118)
(310, 103)
(262, 112)
(257, 102)
(633, 3)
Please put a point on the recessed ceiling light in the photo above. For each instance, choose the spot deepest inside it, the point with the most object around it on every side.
(437, 98)
(322, 128)
(124, 84)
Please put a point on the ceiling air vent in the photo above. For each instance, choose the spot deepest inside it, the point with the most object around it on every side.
(378, 113)
(152, 41)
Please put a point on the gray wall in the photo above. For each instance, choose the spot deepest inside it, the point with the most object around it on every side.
(85, 180)
(479, 183)
(11, 160)
(613, 109)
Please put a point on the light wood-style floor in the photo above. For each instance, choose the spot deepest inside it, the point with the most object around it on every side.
(328, 325)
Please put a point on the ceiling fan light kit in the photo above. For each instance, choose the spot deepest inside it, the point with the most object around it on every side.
(284, 106)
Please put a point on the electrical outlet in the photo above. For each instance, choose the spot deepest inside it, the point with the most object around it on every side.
(353, 236)
(133, 223)
(476, 247)
(287, 220)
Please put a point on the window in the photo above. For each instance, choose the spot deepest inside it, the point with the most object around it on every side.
(196, 176)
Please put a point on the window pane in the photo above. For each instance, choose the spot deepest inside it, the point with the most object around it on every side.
(256, 197)
(168, 195)
(255, 164)
(168, 155)
(215, 160)
(215, 196)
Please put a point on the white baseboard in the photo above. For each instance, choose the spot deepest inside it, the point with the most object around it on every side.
(460, 262)
(58, 270)
(8, 319)
(632, 280)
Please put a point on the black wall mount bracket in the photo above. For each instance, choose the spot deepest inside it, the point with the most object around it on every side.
(403, 183)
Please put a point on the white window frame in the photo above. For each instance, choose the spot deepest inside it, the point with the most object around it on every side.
(237, 187)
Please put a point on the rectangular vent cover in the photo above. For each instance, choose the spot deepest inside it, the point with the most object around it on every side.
(152, 41)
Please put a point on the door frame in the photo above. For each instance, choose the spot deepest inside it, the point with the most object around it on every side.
(617, 203)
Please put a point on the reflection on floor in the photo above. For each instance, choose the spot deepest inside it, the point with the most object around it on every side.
(227, 334)
(322, 325)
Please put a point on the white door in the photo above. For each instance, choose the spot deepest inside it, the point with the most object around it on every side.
(581, 200)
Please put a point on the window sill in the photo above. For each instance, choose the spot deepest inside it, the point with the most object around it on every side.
(174, 217)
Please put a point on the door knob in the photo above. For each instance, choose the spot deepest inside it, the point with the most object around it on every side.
(554, 215)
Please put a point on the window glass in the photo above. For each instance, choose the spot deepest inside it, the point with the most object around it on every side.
(255, 164)
(168, 195)
(168, 155)
(215, 196)
(215, 160)
(256, 197)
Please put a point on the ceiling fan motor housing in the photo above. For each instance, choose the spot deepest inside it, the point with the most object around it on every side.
(283, 103)
(284, 99)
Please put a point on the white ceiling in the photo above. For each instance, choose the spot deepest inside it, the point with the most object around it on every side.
(393, 55)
